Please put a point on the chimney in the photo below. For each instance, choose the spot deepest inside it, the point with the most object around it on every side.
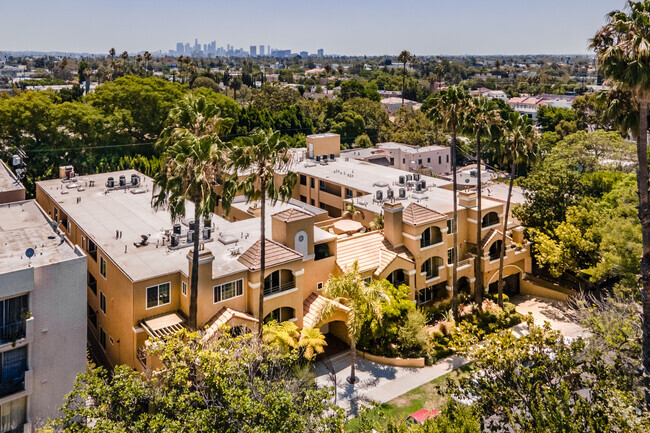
(467, 198)
(393, 222)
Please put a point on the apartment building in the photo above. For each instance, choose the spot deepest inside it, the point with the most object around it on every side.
(405, 157)
(10, 187)
(42, 317)
(139, 261)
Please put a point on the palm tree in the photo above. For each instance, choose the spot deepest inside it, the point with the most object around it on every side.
(111, 53)
(328, 69)
(446, 107)
(623, 50)
(312, 342)
(283, 335)
(263, 155)
(404, 57)
(125, 57)
(481, 118)
(520, 138)
(147, 59)
(235, 84)
(194, 161)
(363, 300)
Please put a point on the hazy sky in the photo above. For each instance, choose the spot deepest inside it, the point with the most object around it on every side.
(344, 27)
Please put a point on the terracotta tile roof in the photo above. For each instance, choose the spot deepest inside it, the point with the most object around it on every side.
(290, 215)
(312, 308)
(223, 317)
(491, 235)
(416, 215)
(371, 250)
(276, 254)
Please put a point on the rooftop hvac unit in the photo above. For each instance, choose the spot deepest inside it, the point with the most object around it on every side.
(110, 182)
(402, 180)
(175, 239)
(317, 158)
(177, 229)
(190, 236)
(332, 156)
(416, 176)
(418, 187)
(409, 177)
(379, 195)
(122, 180)
(402, 193)
(325, 157)
(207, 231)
(424, 184)
(135, 179)
(389, 194)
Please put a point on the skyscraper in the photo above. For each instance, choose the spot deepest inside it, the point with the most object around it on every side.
(253, 51)
(180, 49)
(261, 50)
(320, 52)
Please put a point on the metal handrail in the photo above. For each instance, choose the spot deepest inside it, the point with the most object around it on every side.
(12, 331)
(269, 290)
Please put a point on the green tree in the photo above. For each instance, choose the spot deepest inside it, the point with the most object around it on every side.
(362, 300)
(262, 157)
(520, 137)
(194, 161)
(446, 107)
(235, 84)
(622, 47)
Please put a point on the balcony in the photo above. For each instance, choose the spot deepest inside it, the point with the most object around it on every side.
(11, 332)
(279, 288)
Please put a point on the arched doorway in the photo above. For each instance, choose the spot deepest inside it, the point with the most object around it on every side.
(397, 277)
(281, 314)
(335, 333)
(464, 285)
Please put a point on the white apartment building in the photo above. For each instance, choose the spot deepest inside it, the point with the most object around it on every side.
(405, 157)
(42, 317)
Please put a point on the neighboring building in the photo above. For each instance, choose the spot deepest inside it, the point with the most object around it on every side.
(253, 51)
(320, 53)
(405, 157)
(139, 263)
(10, 187)
(42, 320)
(394, 103)
(490, 94)
(529, 105)
(467, 175)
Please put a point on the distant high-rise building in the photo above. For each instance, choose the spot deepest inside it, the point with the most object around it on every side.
(268, 50)
(304, 54)
(321, 53)
(253, 51)
(261, 50)
(188, 50)
(180, 49)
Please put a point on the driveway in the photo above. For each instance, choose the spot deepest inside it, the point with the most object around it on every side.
(548, 310)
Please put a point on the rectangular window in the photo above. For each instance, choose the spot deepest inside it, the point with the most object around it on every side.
(158, 295)
(102, 266)
(228, 290)
(92, 316)
(392, 161)
(419, 162)
(450, 226)
(321, 185)
(92, 249)
(184, 288)
(14, 415)
(447, 158)
(14, 365)
(102, 337)
(428, 160)
(403, 160)
(92, 282)
(348, 193)
(313, 203)
(321, 205)
(13, 313)
(450, 256)
(440, 160)
(102, 301)
(319, 285)
(303, 180)
(303, 199)
(56, 215)
(311, 182)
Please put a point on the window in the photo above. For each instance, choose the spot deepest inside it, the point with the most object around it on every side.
(450, 226)
(158, 295)
(367, 280)
(447, 158)
(228, 290)
(311, 182)
(430, 267)
(432, 292)
(13, 312)
(321, 185)
(419, 162)
(102, 302)
(92, 249)
(430, 236)
(92, 282)
(102, 266)
(319, 285)
(403, 160)
(321, 205)
(439, 159)
(348, 193)
(450, 256)
(428, 160)
(392, 161)
(14, 365)
(321, 251)
(64, 222)
(303, 199)
(102, 337)
(184, 288)
(312, 202)
(303, 180)
(490, 219)
(83, 243)
(92, 316)
(56, 215)
(13, 415)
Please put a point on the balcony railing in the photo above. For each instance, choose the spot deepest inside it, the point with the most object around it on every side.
(270, 290)
(10, 332)
(12, 384)
(464, 262)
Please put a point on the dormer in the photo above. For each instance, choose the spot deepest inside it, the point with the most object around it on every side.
(295, 229)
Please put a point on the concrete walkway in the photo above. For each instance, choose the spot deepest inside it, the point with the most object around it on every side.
(548, 310)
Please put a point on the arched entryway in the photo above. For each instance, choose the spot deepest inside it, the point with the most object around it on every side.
(495, 250)
(464, 285)
(335, 333)
(398, 277)
(281, 314)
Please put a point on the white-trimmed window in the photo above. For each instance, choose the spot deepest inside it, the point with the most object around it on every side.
(450, 226)
(184, 288)
(102, 266)
(102, 301)
(158, 295)
(228, 290)
(319, 285)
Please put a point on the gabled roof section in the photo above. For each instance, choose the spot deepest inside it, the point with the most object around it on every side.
(291, 215)
(223, 317)
(417, 215)
(492, 235)
(312, 308)
(276, 254)
(371, 250)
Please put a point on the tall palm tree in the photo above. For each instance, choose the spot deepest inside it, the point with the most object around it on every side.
(446, 107)
(194, 162)
(235, 84)
(111, 53)
(480, 120)
(138, 61)
(263, 155)
(147, 59)
(125, 57)
(520, 138)
(363, 300)
(623, 50)
(328, 69)
(404, 57)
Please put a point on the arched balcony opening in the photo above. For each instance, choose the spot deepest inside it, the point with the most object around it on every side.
(490, 219)
(281, 314)
(398, 277)
(495, 250)
(430, 236)
(278, 281)
(430, 267)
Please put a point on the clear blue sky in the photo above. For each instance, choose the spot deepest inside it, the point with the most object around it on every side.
(344, 27)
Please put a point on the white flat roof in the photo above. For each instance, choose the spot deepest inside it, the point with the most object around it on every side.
(408, 148)
(8, 181)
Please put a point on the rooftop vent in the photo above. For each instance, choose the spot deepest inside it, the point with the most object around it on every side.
(402, 193)
(379, 195)
(380, 184)
(177, 229)
(228, 239)
(332, 156)
(389, 194)
(416, 176)
(122, 180)
(419, 196)
(409, 177)
(110, 182)
(317, 158)
(135, 180)
(138, 191)
(71, 186)
(402, 180)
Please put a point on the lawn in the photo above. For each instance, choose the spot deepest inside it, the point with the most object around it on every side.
(431, 395)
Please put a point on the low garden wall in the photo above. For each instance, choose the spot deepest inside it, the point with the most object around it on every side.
(537, 287)
(396, 362)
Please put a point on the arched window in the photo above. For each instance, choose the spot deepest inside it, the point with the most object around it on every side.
(281, 314)
(397, 278)
(278, 281)
(495, 250)
(430, 267)
(301, 243)
(430, 236)
(490, 219)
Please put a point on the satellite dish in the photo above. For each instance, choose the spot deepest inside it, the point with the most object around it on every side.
(30, 253)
